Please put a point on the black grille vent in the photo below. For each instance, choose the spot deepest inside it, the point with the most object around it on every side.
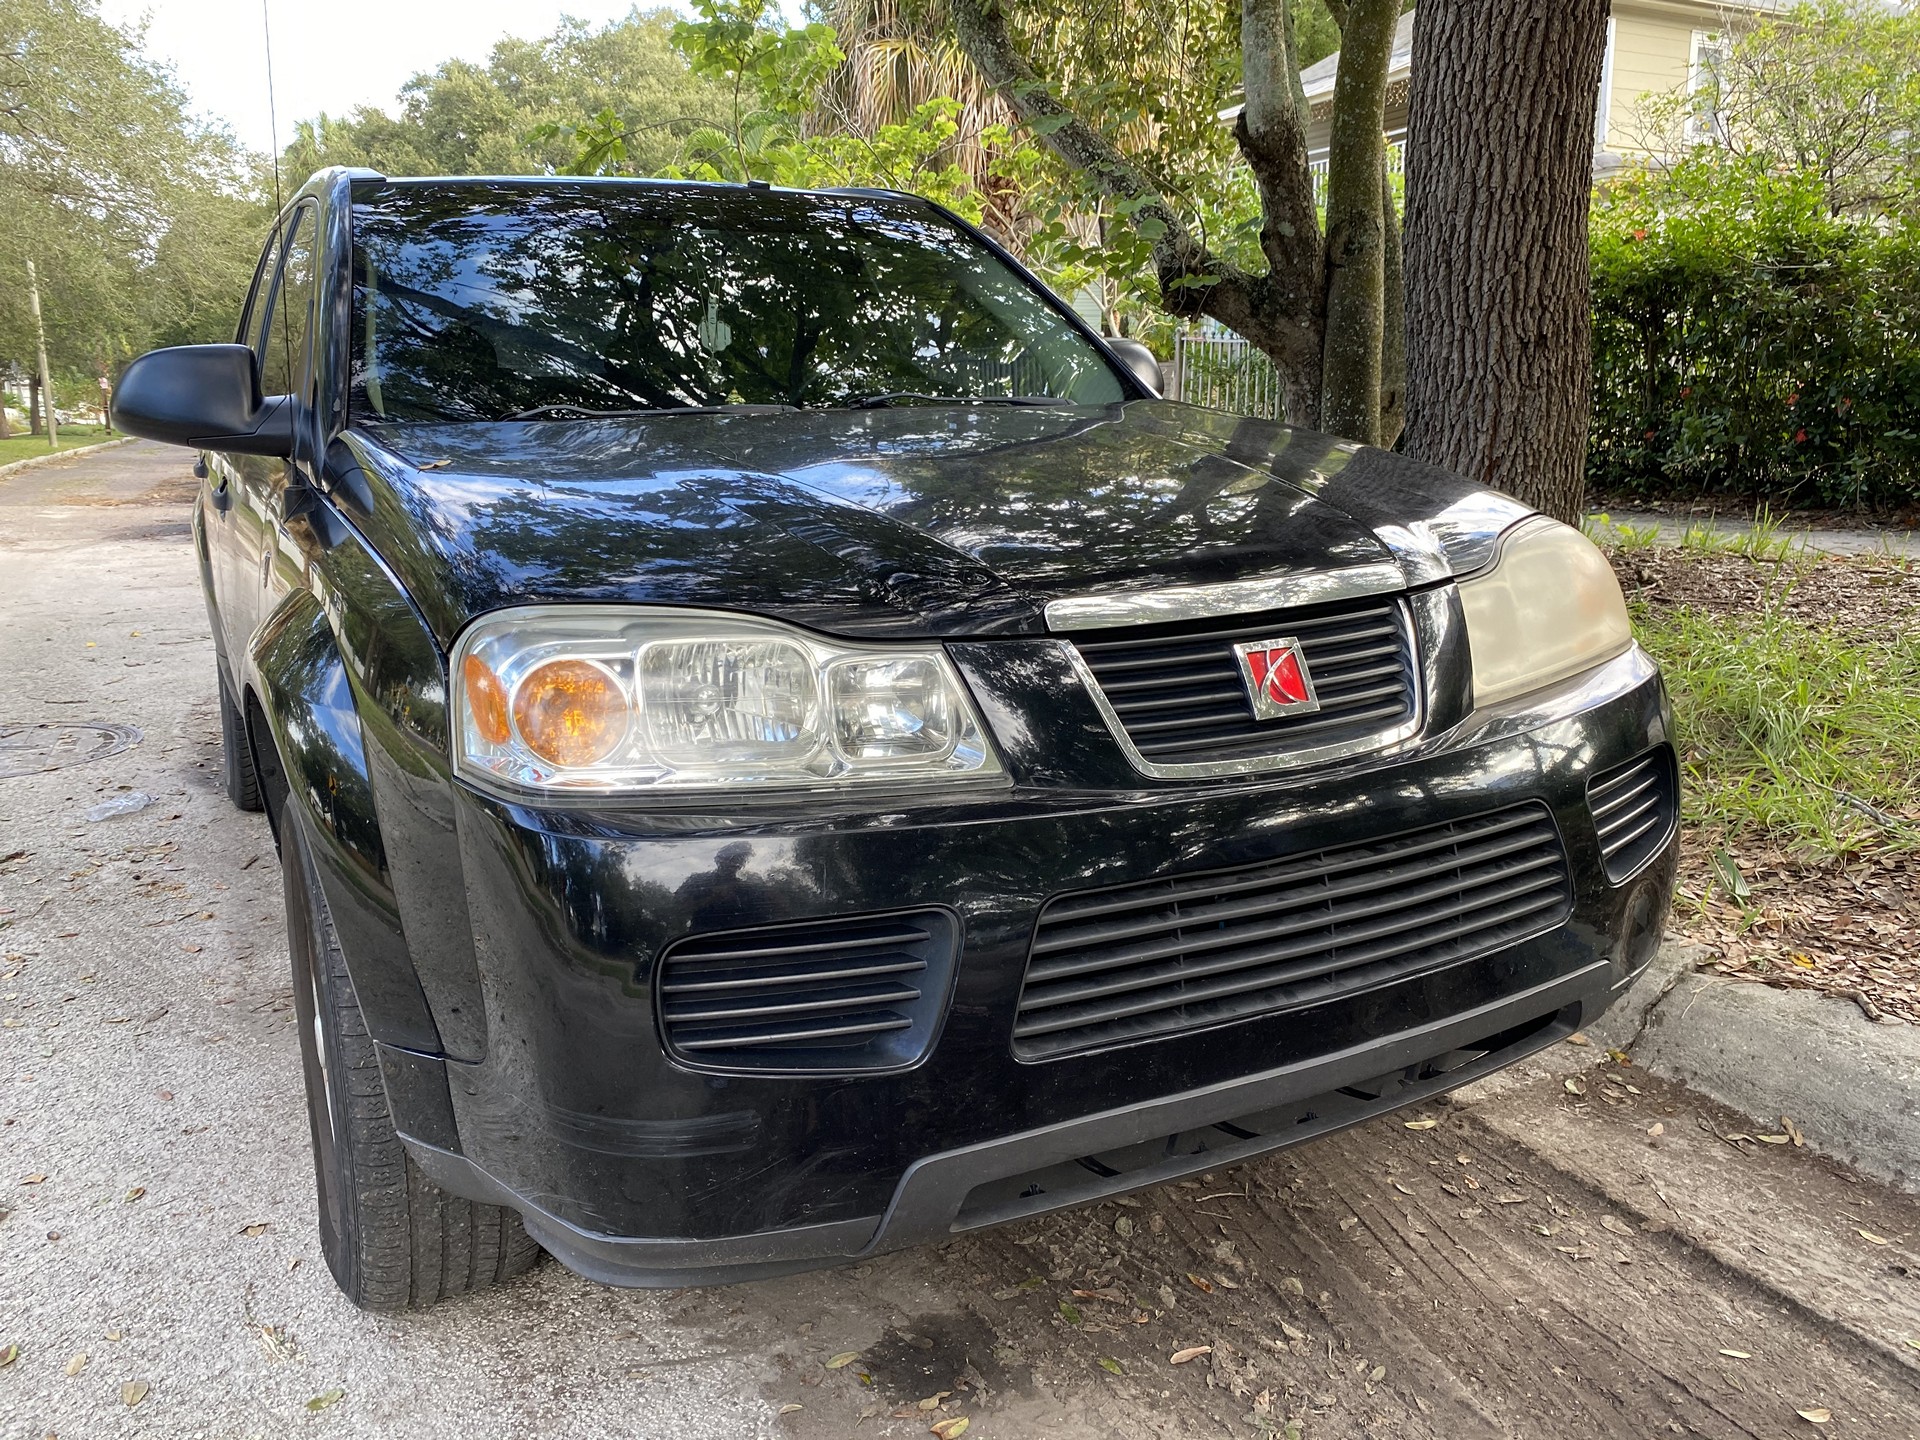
(1119, 965)
(855, 993)
(1179, 694)
(1633, 811)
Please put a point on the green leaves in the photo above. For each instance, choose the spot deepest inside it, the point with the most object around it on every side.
(1747, 340)
(772, 71)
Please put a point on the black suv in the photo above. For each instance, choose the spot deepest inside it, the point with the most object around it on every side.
(782, 746)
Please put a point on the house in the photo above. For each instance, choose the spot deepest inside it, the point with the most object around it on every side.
(1653, 47)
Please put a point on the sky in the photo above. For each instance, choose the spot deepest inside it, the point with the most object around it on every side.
(329, 55)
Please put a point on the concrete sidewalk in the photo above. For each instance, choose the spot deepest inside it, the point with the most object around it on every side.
(1903, 543)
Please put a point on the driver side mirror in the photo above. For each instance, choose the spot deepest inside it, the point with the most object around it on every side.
(1139, 362)
(205, 396)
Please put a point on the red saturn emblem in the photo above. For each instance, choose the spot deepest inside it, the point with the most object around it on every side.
(1277, 679)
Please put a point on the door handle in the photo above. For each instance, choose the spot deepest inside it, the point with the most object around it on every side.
(221, 495)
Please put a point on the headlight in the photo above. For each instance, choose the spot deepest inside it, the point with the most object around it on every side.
(595, 699)
(1547, 608)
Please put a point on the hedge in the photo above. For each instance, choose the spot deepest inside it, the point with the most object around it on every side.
(1747, 343)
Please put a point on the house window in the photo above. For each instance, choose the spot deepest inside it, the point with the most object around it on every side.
(1603, 118)
(1706, 81)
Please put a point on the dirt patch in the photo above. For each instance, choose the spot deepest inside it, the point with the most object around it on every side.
(940, 1355)
(1440, 1283)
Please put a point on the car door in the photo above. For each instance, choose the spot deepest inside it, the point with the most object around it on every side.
(220, 483)
(260, 482)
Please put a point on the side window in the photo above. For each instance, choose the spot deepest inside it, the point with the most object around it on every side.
(255, 315)
(283, 363)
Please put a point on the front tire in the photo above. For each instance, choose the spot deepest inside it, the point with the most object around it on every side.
(236, 755)
(392, 1238)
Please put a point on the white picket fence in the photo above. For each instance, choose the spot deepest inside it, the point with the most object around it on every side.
(1224, 372)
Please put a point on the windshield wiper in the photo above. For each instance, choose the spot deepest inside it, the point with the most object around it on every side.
(913, 397)
(565, 411)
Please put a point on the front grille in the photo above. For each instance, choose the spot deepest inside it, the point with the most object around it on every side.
(857, 993)
(1178, 692)
(1112, 966)
(1633, 811)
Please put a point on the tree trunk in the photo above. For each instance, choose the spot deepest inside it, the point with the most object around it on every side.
(40, 342)
(1498, 312)
(33, 403)
(1350, 366)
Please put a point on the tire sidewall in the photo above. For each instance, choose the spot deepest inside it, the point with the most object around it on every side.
(327, 1116)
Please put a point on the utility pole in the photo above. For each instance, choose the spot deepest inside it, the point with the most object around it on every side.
(40, 340)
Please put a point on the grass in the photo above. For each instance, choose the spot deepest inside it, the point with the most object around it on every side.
(1611, 534)
(1804, 735)
(1761, 539)
(72, 437)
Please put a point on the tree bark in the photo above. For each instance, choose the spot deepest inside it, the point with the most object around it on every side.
(40, 342)
(1500, 138)
(1272, 135)
(1393, 337)
(1350, 367)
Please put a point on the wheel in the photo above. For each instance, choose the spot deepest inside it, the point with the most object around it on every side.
(236, 756)
(392, 1239)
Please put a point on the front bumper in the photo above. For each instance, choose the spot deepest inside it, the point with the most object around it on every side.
(635, 1170)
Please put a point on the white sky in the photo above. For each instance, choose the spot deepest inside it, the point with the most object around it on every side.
(329, 55)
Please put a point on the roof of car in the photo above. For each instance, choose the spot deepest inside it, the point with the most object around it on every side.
(605, 181)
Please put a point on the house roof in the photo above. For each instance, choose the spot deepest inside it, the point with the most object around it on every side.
(1317, 79)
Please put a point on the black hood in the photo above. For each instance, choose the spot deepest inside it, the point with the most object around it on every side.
(919, 520)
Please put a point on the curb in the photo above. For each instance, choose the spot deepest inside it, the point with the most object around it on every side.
(78, 450)
(1852, 1086)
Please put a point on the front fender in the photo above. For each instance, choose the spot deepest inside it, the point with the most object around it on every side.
(324, 785)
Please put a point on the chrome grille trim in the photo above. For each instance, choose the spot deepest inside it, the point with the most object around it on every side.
(1286, 753)
(1231, 597)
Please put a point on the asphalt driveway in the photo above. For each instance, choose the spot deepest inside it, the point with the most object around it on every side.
(1537, 1263)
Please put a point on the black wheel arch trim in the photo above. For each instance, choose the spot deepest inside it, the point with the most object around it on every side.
(318, 772)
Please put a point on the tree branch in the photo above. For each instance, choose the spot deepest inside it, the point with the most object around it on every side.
(1193, 280)
(1272, 135)
(1356, 225)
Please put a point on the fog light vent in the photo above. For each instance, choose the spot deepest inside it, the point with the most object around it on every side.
(854, 993)
(1634, 808)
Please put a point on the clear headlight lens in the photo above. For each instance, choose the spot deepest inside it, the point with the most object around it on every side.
(590, 698)
(1547, 608)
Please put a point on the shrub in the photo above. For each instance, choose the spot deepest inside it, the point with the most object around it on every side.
(1747, 342)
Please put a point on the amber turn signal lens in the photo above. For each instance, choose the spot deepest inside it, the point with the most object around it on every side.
(486, 701)
(570, 712)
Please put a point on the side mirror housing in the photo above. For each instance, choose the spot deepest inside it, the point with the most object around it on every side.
(205, 396)
(1139, 362)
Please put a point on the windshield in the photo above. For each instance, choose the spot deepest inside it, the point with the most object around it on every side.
(481, 302)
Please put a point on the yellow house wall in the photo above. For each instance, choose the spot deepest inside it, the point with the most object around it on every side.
(1652, 54)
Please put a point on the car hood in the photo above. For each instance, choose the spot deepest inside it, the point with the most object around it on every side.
(912, 521)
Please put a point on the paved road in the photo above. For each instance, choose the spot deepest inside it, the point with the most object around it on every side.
(1538, 1264)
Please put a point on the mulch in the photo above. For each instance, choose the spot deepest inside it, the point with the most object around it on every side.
(1848, 926)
